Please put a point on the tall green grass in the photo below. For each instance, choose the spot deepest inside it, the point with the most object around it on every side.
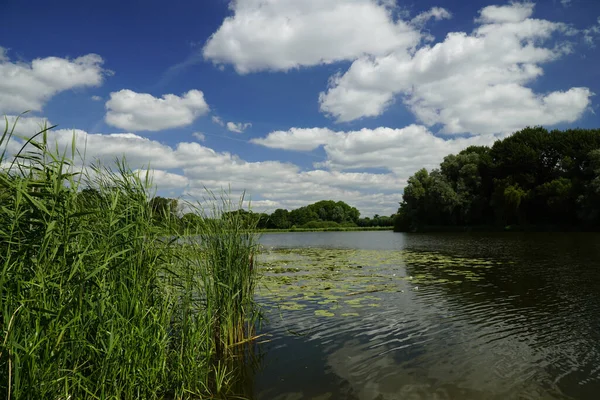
(98, 301)
(228, 243)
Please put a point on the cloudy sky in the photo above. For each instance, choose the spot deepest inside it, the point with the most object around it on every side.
(296, 100)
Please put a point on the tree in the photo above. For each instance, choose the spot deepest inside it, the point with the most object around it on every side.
(533, 177)
(191, 221)
(163, 209)
(302, 215)
(280, 219)
(588, 209)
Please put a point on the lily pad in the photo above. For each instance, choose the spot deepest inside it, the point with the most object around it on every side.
(324, 313)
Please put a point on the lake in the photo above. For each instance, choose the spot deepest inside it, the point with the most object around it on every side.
(383, 315)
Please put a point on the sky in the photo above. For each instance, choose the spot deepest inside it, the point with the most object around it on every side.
(295, 101)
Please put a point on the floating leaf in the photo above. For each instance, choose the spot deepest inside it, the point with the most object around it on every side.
(324, 313)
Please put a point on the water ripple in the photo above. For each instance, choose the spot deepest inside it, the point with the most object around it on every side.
(522, 329)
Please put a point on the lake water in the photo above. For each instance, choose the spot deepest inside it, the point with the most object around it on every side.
(382, 315)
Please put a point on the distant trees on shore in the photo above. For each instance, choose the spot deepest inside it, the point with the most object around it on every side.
(532, 178)
(319, 215)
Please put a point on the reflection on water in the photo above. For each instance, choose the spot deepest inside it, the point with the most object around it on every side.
(452, 316)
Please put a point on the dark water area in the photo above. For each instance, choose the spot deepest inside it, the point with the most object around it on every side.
(382, 315)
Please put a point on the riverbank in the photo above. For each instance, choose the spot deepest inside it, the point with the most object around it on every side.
(493, 228)
(332, 229)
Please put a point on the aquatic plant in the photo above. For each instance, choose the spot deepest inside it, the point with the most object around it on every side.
(228, 244)
(97, 300)
(343, 281)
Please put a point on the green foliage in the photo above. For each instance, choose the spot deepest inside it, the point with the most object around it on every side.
(163, 209)
(533, 177)
(280, 219)
(320, 215)
(227, 241)
(97, 300)
(376, 221)
(320, 225)
(324, 210)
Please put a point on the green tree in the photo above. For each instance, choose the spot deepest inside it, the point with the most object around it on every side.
(302, 215)
(280, 219)
(533, 177)
(164, 209)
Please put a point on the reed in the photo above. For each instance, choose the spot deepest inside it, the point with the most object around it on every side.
(228, 243)
(99, 301)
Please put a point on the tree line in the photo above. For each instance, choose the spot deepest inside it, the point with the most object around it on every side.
(320, 215)
(535, 179)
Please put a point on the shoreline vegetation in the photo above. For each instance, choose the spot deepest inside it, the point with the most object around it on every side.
(324, 215)
(533, 180)
(332, 229)
(103, 295)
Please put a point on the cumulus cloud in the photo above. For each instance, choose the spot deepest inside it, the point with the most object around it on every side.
(129, 110)
(164, 179)
(477, 82)
(300, 139)
(347, 172)
(400, 151)
(238, 127)
(190, 167)
(29, 85)
(515, 12)
(96, 98)
(469, 82)
(285, 34)
(24, 126)
(436, 13)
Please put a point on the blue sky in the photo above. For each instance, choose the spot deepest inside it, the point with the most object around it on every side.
(296, 100)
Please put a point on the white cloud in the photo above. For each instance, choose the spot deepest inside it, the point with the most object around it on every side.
(436, 13)
(285, 34)
(566, 3)
(24, 126)
(592, 33)
(191, 167)
(29, 85)
(238, 127)
(300, 139)
(21, 127)
(164, 179)
(200, 136)
(218, 120)
(476, 83)
(515, 12)
(347, 172)
(467, 83)
(280, 185)
(400, 151)
(96, 98)
(129, 110)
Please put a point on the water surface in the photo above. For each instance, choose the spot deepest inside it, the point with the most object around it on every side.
(382, 315)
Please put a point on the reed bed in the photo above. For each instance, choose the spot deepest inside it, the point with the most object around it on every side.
(99, 301)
